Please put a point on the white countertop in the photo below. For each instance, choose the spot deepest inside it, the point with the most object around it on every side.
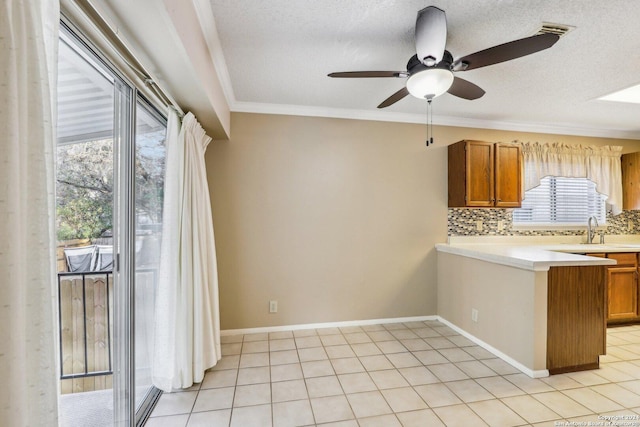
(536, 254)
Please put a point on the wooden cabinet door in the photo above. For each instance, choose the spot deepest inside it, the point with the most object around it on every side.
(480, 175)
(576, 327)
(622, 293)
(631, 181)
(484, 174)
(508, 176)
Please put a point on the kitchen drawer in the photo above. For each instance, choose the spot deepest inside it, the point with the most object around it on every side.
(624, 259)
(599, 255)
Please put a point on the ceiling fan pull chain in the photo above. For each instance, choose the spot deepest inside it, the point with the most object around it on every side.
(428, 130)
(429, 122)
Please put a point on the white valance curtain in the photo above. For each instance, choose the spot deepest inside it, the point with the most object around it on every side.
(599, 164)
(187, 326)
(28, 74)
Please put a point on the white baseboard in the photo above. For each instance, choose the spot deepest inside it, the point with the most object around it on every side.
(519, 366)
(343, 324)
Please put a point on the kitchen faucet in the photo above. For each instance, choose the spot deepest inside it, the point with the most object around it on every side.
(591, 231)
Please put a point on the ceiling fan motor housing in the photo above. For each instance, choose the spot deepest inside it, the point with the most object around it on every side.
(431, 35)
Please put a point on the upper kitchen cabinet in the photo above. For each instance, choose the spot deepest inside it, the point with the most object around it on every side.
(485, 174)
(631, 181)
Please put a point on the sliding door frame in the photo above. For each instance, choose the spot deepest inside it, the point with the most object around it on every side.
(124, 146)
(124, 244)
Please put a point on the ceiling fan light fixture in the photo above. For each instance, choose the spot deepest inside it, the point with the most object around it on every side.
(430, 83)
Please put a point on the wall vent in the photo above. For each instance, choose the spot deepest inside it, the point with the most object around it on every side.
(559, 29)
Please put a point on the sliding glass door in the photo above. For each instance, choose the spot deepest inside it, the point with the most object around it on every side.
(85, 196)
(110, 198)
(149, 169)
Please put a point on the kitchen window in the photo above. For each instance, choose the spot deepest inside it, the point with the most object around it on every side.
(560, 201)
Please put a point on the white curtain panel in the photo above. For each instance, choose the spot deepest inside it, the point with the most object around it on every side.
(599, 164)
(187, 327)
(28, 67)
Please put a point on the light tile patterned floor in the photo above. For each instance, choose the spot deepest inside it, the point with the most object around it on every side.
(401, 374)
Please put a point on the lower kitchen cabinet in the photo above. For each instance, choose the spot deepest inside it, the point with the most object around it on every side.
(622, 289)
(622, 293)
(576, 326)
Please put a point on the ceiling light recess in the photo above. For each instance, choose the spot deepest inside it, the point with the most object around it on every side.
(630, 94)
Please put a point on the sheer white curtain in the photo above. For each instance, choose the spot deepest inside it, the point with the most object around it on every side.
(28, 66)
(187, 327)
(599, 164)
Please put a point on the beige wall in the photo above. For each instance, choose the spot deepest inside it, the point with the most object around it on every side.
(511, 304)
(335, 219)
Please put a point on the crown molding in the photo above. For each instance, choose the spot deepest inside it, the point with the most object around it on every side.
(392, 116)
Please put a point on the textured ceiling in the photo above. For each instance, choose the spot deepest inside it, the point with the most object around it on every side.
(278, 53)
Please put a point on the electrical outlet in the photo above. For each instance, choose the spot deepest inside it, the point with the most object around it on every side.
(479, 225)
(500, 225)
(630, 225)
(474, 315)
(273, 306)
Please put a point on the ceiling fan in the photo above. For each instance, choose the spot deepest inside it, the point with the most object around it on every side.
(430, 71)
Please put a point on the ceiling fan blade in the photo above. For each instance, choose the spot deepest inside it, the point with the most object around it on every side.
(465, 89)
(431, 35)
(506, 52)
(369, 74)
(394, 98)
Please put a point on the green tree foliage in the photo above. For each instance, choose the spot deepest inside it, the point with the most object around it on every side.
(84, 191)
(83, 218)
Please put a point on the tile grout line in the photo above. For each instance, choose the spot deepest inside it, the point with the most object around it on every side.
(580, 383)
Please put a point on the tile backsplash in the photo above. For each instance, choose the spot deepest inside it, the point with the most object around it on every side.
(499, 222)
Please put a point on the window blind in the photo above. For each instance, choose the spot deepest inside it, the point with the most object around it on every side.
(560, 200)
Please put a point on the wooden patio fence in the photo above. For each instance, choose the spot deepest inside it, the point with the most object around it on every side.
(85, 317)
(86, 324)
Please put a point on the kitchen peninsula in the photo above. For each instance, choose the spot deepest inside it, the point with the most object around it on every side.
(539, 303)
